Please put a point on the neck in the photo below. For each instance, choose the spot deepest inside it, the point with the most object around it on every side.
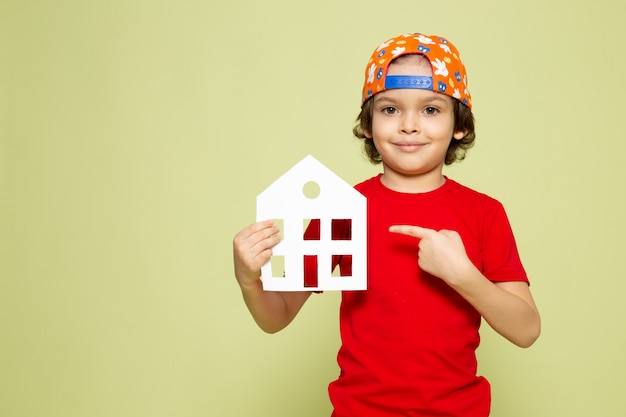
(412, 184)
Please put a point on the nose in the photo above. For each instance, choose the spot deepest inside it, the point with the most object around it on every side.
(409, 123)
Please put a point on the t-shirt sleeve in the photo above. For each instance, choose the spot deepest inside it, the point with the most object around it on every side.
(500, 258)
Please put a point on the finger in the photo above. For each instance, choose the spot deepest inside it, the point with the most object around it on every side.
(265, 223)
(253, 254)
(267, 242)
(265, 226)
(415, 231)
(267, 232)
(262, 226)
(449, 233)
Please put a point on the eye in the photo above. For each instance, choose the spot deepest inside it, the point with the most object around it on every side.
(389, 110)
(431, 110)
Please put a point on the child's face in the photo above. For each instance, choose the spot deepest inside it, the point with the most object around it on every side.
(412, 129)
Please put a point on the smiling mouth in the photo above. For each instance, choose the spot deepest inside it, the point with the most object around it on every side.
(409, 147)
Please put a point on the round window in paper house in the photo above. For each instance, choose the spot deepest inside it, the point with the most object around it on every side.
(311, 190)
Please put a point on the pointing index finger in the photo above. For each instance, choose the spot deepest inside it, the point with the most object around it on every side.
(415, 231)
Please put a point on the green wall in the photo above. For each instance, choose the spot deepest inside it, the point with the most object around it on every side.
(136, 134)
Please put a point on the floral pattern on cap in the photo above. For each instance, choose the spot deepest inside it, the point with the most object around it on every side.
(449, 76)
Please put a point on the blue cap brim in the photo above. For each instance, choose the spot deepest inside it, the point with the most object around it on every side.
(421, 82)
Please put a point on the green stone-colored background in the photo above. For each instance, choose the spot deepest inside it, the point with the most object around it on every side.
(136, 134)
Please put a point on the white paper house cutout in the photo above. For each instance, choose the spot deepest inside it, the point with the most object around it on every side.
(286, 202)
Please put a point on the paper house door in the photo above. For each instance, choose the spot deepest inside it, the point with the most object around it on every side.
(337, 203)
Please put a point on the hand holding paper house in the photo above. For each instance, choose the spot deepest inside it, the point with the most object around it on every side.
(338, 204)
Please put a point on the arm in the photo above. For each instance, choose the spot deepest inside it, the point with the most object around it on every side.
(508, 307)
(252, 247)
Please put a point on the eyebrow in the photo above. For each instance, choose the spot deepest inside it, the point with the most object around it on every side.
(379, 98)
(435, 98)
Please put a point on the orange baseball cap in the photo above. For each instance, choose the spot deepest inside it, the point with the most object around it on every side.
(449, 76)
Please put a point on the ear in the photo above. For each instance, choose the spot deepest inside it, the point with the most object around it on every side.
(458, 135)
(368, 134)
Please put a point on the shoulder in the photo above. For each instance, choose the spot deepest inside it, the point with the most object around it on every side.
(470, 195)
(369, 184)
(474, 204)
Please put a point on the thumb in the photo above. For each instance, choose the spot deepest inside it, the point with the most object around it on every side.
(415, 231)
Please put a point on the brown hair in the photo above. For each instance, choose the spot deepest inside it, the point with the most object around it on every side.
(463, 122)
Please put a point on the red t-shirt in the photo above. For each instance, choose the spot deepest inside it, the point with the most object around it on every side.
(409, 340)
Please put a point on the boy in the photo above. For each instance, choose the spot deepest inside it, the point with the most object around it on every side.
(440, 256)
